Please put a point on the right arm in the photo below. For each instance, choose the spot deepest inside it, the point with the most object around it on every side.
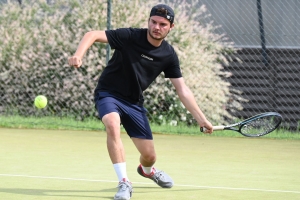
(187, 98)
(86, 42)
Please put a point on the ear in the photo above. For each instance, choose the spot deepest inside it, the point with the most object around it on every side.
(172, 26)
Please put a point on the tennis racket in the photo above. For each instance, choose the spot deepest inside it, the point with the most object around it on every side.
(255, 126)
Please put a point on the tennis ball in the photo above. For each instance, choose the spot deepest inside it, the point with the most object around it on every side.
(40, 101)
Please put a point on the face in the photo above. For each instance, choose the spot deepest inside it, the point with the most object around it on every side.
(159, 27)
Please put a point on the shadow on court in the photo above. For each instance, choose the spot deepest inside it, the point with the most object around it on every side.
(162, 190)
(80, 193)
(58, 193)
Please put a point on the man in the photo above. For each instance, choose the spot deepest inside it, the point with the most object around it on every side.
(140, 56)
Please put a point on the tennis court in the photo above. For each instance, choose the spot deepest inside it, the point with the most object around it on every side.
(53, 164)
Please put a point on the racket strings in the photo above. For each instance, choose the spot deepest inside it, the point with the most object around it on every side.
(261, 126)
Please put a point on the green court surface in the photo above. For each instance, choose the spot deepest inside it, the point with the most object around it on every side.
(52, 164)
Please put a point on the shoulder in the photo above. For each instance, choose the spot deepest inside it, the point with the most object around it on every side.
(169, 49)
(167, 46)
(127, 31)
(138, 33)
(118, 31)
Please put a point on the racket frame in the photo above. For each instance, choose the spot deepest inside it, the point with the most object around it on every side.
(240, 125)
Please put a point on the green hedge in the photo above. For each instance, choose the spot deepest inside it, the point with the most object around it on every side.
(38, 38)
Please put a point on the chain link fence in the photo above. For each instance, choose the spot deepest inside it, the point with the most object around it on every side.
(245, 52)
(266, 34)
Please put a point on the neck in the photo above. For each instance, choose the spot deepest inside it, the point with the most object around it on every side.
(154, 42)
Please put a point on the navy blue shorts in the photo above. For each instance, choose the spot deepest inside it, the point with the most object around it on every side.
(133, 117)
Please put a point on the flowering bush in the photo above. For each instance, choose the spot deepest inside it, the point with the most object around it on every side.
(38, 38)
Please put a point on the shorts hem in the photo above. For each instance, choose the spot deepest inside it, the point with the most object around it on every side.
(141, 137)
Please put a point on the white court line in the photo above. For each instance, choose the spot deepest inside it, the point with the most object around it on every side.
(178, 185)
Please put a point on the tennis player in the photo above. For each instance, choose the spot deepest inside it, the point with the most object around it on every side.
(140, 56)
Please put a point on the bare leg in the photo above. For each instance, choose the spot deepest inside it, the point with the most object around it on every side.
(147, 159)
(147, 151)
(114, 142)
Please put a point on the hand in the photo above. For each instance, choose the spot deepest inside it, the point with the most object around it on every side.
(75, 61)
(207, 127)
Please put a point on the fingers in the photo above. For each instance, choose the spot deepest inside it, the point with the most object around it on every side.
(75, 61)
(209, 130)
(206, 127)
(206, 130)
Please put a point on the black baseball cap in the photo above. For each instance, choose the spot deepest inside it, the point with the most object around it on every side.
(163, 10)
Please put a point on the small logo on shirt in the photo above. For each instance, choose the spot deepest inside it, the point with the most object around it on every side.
(147, 57)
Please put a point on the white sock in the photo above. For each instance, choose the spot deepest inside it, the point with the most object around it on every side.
(147, 170)
(120, 169)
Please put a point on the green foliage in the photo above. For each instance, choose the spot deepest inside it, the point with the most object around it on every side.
(37, 41)
(38, 38)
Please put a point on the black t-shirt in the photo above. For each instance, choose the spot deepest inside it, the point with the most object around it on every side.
(135, 64)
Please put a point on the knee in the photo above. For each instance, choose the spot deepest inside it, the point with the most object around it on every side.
(112, 123)
(150, 158)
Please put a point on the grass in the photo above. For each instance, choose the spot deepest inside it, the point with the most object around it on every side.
(74, 165)
(68, 123)
(62, 123)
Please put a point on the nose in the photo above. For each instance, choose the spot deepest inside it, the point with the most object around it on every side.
(156, 26)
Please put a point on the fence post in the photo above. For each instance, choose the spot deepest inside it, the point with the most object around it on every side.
(108, 28)
(272, 69)
(262, 34)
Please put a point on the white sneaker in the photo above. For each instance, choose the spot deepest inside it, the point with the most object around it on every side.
(124, 191)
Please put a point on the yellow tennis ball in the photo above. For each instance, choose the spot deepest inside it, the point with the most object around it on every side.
(40, 101)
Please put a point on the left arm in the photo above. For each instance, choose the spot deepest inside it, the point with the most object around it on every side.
(187, 98)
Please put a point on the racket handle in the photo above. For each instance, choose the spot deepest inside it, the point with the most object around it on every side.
(216, 128)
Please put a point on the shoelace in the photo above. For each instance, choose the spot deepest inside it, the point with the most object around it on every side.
(158, 176)
(123, 186)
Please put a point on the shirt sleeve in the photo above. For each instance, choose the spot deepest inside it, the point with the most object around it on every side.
(118, 38)
(173, 70)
